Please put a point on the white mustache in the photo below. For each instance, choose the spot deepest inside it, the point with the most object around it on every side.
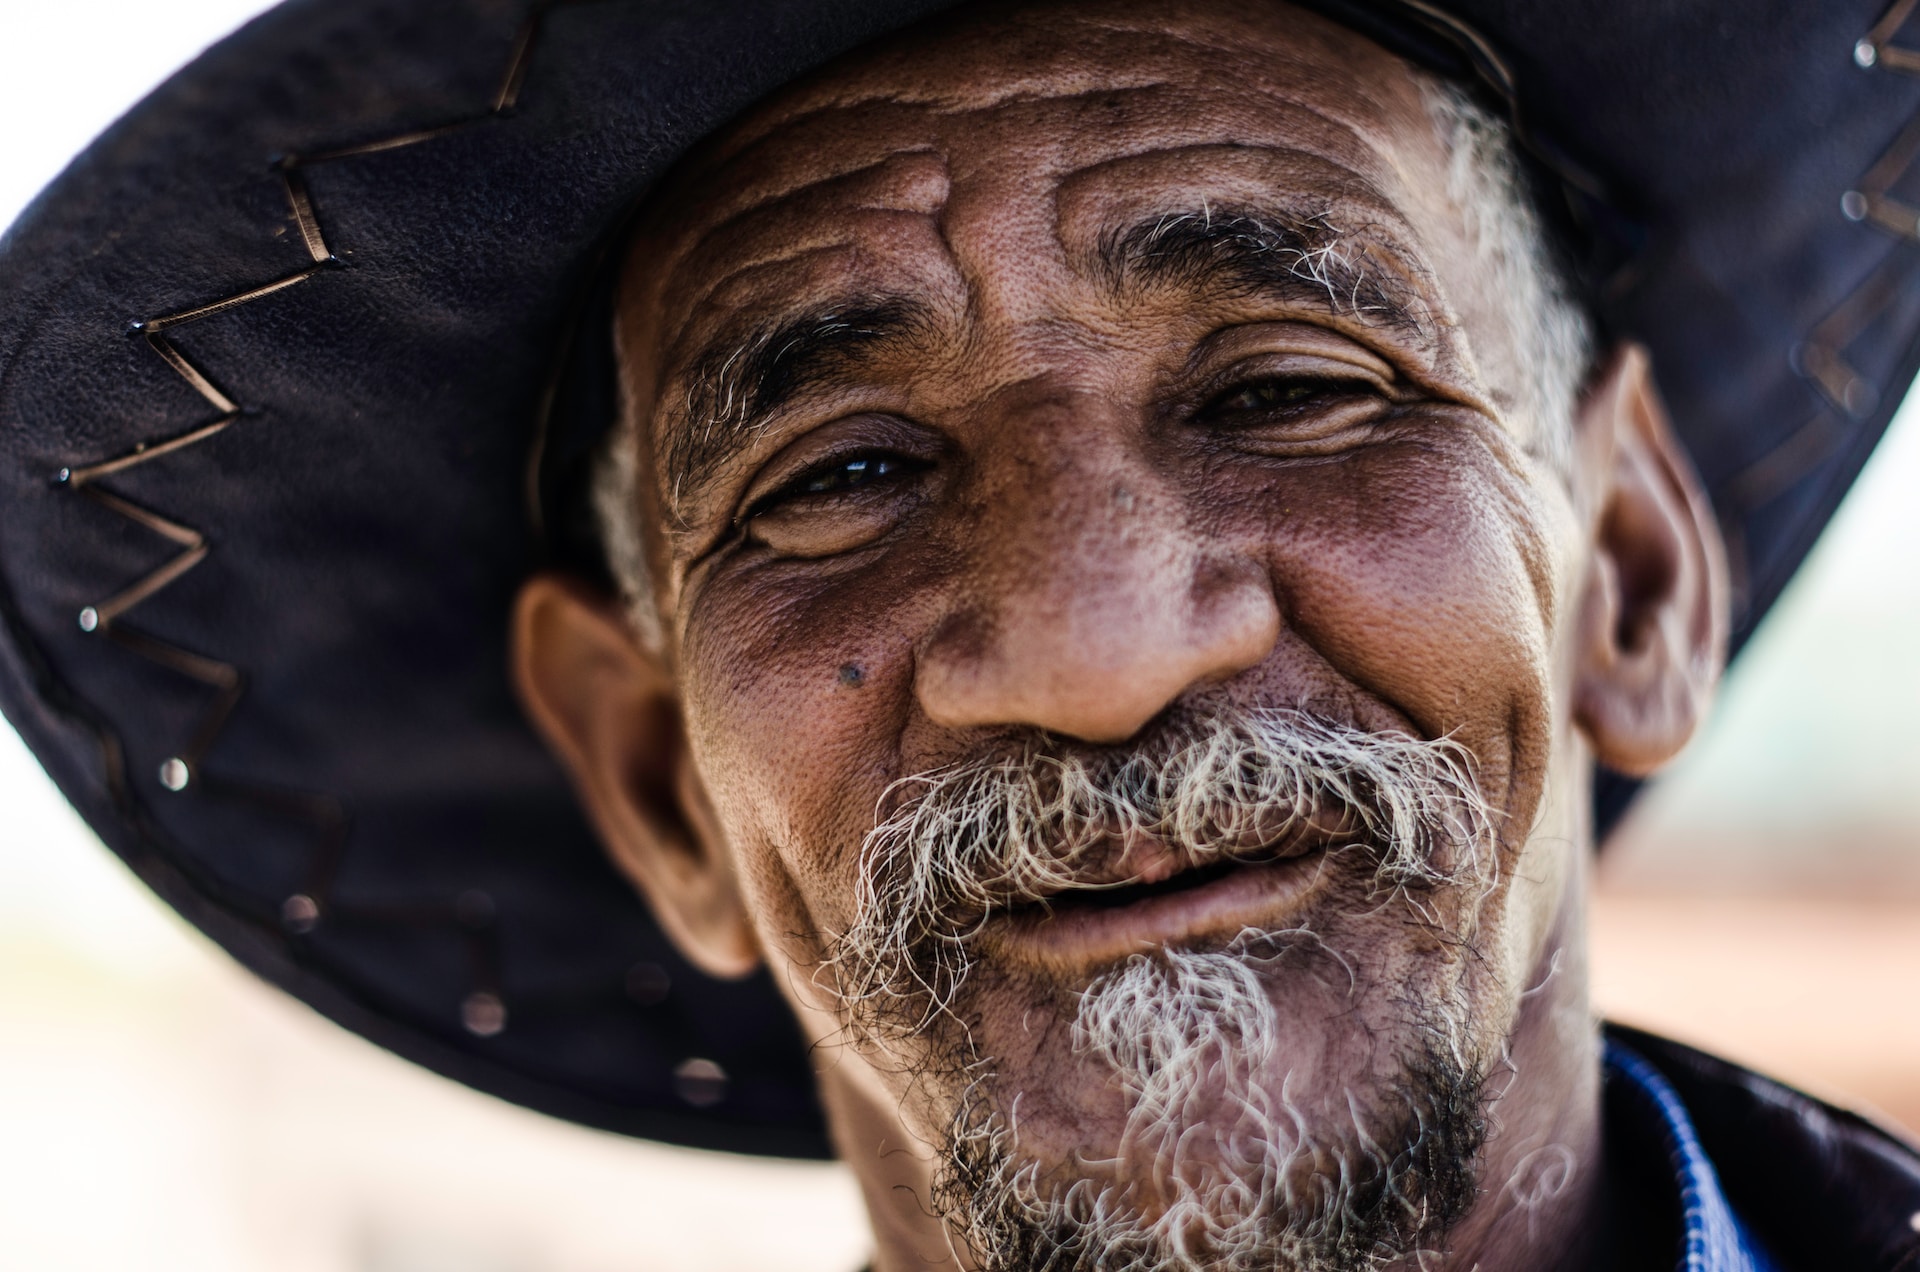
(958, 844)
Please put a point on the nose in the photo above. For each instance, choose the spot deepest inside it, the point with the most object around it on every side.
(1090, 603)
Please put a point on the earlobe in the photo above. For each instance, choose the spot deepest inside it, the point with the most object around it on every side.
(608, 711)
(1653, 620)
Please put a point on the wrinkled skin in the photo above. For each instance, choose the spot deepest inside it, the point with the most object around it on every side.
(1055, 496)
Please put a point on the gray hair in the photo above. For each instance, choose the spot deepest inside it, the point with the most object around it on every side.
(614, 488)
(1246, 1182)
(1552, 335)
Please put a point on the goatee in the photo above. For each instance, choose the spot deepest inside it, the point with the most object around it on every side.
(1217, 1165)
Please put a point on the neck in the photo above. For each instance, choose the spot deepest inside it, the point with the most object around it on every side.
(893, 1165)
(1542, 1183)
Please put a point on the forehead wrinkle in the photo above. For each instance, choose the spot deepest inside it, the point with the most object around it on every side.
(1255, 119)
(738, 282)
(954, 79)
(1235, 46)
(742, 276)
(962, 63)
(1187, 111)
(903, 179)
(919, 99)
(785, 148)
(1309, 43)
(1087, 88)
(799, 148)
(930, 79)
(1179, 171)
(1039, 57)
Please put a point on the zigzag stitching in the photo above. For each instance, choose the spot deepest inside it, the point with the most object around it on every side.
(483, 1011)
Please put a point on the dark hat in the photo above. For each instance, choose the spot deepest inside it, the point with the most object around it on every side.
(281, 432)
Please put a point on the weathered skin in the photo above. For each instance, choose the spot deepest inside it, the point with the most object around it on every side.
(1078, 537)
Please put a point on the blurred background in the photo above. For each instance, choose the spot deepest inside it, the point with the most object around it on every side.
(161, 1111)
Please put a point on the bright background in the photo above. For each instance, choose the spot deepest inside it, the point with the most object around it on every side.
(160, 1110)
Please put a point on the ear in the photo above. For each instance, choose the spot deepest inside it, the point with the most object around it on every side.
(1653, 620)
(609, 711)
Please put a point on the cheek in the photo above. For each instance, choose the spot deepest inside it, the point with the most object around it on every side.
(1433, 582)
(795, 701)
(1422, 578)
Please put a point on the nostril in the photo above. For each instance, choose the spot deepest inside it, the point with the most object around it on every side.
(1218, 579)
(963, 637)
(954, 673)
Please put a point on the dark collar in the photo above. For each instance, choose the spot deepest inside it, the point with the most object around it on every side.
(1681, 1213)
(1732, 1166)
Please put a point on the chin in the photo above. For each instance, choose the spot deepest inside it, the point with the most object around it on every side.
(1258, 1103)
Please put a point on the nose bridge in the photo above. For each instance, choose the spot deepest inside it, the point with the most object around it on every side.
(1090, 602)
(1073, 482)
(1083, 529)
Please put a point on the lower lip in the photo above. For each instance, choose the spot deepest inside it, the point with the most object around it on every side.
(1073, 936)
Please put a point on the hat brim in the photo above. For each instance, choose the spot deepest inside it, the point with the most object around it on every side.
(276, 361)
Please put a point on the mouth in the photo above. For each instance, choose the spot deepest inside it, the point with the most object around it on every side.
(1134, 893)
(1077, 928)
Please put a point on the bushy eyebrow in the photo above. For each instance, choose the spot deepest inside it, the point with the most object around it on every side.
(734, 388)
(1256, 252)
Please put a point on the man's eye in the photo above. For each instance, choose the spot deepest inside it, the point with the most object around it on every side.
(854, 472)
(1263, 397)
(834, 478)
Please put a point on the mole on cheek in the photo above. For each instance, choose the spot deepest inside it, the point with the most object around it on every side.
(852, 675)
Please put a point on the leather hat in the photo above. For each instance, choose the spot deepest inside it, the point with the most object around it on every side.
(300, 360)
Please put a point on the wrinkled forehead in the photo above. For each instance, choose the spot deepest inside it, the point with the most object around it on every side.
(972, 140)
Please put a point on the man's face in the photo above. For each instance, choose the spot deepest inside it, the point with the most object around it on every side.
(1069, 399)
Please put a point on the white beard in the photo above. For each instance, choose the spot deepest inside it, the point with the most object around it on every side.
(1239, 1184)
(1215, 1167)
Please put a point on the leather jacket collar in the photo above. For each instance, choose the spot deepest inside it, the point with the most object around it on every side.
(1824, 1189)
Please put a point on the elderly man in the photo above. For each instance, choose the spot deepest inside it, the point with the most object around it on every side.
(1150, 456)
(1127, 547)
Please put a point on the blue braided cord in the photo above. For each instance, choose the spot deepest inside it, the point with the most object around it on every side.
(1716, 1240)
